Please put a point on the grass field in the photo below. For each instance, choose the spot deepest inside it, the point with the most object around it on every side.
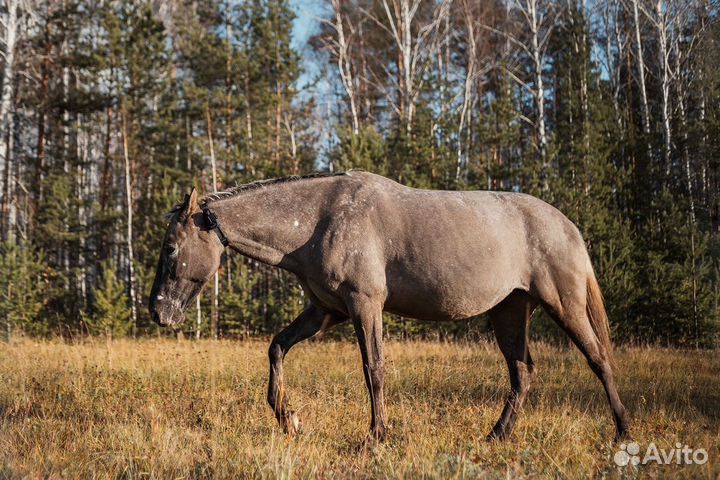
(169, 409)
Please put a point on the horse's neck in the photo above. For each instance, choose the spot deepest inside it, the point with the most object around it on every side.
(269, 224)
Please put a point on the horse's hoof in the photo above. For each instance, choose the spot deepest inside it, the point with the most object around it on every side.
(295, 422)
(291, 424)
(377, 435)
(369, 443)
(623, 436)
(495, 436)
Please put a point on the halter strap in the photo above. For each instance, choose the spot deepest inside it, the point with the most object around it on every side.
(213, 224)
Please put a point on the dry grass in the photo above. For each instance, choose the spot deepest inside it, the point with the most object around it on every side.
(167, 409)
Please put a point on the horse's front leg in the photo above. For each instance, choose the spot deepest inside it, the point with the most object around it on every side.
(307, 324)
(366, 314)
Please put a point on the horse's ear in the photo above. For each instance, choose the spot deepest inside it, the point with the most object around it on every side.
(189, 206)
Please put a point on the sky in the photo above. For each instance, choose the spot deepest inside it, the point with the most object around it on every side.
(306, 22)
(305, 25)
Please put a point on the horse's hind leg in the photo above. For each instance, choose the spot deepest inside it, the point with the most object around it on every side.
(510, 321)
(574, 320)
(307, 324)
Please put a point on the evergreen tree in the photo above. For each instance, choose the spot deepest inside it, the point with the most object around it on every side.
(25, 279)
(364, 150)
(110, 314)
(206, 93)
(499, 137)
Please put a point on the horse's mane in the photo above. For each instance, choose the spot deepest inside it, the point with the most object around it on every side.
(238, 189)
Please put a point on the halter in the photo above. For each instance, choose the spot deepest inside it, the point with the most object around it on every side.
(213, 224)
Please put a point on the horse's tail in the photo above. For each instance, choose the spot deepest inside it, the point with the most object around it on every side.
(597, 315)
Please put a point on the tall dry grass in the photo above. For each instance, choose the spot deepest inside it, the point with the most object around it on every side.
(167, 409)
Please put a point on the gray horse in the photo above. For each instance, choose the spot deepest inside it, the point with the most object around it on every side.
(361, 244)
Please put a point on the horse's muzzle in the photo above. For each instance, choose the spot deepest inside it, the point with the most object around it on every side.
(165, 314)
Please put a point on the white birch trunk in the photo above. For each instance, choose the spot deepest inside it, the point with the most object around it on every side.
(10, 22)
(682, 117)
(216, 280)
(289, 124)
(249, 125)
(415, 50)
(662, 26)
(80, 173)
(539, 85)
(539, 93)
(645, 110)
(405, 22)
(468, 83)
(9, 200)
(342, 53)
(584, 85)
(614, 34)
(129, 219)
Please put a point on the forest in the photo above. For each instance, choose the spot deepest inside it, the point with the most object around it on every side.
(111, 111)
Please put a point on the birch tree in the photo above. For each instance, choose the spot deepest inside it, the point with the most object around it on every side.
(660, 19)
(9, 23)
(216, 280)
(416, 44)
(129, 221)
(338, 45)
(477, 64)
(529, 30)
(470, 77)
(640, 62)
(615, 45)
(540, 25)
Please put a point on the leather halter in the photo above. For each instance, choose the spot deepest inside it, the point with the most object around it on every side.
(212, 223)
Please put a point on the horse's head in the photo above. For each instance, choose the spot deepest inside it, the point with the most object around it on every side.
(190, 255)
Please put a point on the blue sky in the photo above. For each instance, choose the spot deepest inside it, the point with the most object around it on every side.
(305, 23)
(304, 26)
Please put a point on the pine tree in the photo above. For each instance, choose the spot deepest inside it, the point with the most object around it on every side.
(499, 136)
(364, 150)
(110, 314)
(25, 286)
(205, 93)
(586, 181)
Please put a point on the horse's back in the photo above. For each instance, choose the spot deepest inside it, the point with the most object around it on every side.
(435, 221)
(456, 254)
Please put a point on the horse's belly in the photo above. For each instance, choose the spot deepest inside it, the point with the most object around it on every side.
(463, 295)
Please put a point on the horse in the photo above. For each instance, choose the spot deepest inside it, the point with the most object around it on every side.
(361, 244)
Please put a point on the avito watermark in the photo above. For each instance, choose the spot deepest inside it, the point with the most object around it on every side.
(629, 454)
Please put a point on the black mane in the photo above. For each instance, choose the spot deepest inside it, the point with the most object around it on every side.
(234, 191)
